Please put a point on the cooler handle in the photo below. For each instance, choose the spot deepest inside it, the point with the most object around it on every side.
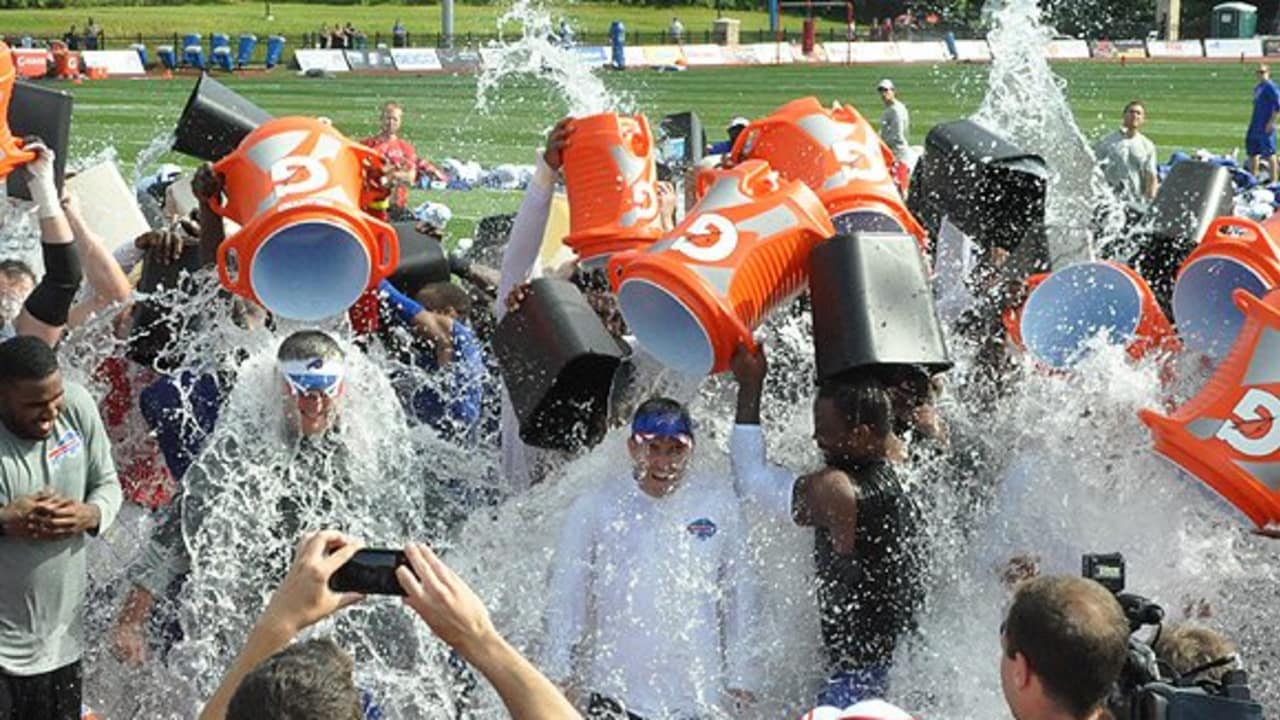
(371, 163)
(224, 168)
(1254, 233)
(239, 286)
(388, 250)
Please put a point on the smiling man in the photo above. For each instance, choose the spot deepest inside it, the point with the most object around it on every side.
(651, 594)
(57, 482)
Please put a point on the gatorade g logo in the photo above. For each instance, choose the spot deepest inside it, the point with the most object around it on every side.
(857, 157)
(298, 174)
(710, 239)
(645, 199)
(1251, 430)
(294, 170)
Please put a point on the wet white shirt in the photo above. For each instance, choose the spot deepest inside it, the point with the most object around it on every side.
(651, 598)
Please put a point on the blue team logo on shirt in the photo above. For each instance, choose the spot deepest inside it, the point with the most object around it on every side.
(702, 528)
(68, 444)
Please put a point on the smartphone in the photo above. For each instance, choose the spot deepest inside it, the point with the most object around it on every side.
(371, 572)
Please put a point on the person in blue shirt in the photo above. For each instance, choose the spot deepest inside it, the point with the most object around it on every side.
(1260, 141)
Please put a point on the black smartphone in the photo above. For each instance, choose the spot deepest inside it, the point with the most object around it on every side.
(371, 572)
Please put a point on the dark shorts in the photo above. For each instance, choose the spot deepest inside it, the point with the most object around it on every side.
(1260, 143)
(54, 695)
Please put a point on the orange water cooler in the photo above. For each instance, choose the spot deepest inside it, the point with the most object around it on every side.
(1234, 254)
(11, 153)
(610, 177)
(691, 297)
(306, 250)
(837, 153)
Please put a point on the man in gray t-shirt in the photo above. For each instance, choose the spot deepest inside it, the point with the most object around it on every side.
(1128, 158)
(57, 484)
(895, 122)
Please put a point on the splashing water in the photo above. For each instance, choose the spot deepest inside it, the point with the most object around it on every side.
(1054, 465)
(537, 53)
(1027, 103)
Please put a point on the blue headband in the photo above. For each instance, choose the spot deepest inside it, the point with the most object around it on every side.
(662, 424)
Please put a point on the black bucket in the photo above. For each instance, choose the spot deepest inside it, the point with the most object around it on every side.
(46, 113)
(558, 363)
(872, 305)
(987, 187)
(215, 120)
(423, 260)
(1192, 195)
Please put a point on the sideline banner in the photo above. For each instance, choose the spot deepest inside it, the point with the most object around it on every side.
(1232, 47)
(1175, 49)
(704, 55)
(633, 55)
(116, 62)
(33, 62)
(1271, 47)
(326, 60)
(416, 59)
(455, 60)
(874, 52)
(592, 55)
(663, 55)
(973, 51)
(1118, 48)
(931, 51)
(1067, 50)
(369, 60)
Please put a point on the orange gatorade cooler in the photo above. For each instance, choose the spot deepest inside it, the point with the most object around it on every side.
(840, 157)
(609, 174)
(11, 153)
(691, 297)
(1228, 435)
(1235, 253)
(305, 249)
(1071, 306)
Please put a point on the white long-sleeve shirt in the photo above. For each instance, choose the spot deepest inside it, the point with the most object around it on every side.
(770, 487)
(653, 598)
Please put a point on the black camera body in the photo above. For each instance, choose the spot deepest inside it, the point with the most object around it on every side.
(1145, 690)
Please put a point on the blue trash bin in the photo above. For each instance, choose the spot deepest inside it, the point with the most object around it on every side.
(275, 50)
(617, 42)
(222, 58)
(244, 52)
(168, 57)
(142, 53)
(218, 40)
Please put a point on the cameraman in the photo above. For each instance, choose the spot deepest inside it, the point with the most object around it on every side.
(1065, 640)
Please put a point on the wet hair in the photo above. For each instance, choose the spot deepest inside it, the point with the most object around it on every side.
(16, 270)
(308, 345)
(1186, 648)
(1074, 637)
(1137, 103)
(861, 399)
(26, 358)
(391, 104)
(445, 295)
(309, 680)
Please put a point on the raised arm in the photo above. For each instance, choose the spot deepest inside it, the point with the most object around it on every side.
(105, 276)
(767, 486)
(44, 314)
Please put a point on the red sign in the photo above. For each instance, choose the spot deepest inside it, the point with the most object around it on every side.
(31, 62)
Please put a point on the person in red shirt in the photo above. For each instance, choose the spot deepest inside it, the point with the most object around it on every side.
(401, 159)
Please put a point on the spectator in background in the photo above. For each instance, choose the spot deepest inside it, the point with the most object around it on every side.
(72, 39)
(57, 484)
(1260, 139)
(92, 35)
(676, 30)
(1065, 640)
(1128, 158)
(323, 38)
(399, 35)
(401, 161)
(895, 122)
(736, 126)
(337, 39)
(271, 680)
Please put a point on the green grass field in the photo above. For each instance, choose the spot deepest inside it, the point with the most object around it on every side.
(293, 19)
(1189, 106)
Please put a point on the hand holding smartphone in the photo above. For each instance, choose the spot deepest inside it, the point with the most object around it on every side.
(370, 572)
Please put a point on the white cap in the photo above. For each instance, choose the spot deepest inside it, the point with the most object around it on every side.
(885, 84)
(739, 122)
(865, 710)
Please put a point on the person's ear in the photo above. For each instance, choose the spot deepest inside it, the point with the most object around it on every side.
(1021, 670)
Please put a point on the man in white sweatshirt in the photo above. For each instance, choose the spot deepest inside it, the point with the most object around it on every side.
(651, 594)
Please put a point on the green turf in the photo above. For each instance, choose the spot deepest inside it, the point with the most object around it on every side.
(1189, 106)
(292, 19)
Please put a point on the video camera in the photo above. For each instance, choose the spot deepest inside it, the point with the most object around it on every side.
(1149, 690)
